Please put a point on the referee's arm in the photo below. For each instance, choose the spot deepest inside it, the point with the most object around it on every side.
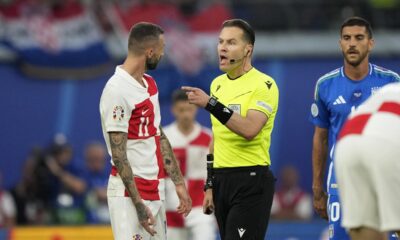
(247, 127)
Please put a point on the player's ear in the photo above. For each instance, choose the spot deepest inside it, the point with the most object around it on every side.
(371, 44)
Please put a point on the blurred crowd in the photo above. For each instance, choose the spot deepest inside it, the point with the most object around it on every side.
(55, 190)
(278, 15)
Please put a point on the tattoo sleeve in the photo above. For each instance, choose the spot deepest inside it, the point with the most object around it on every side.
(118, 142)
(171, 165)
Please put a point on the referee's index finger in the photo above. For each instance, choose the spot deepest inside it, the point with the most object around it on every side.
(188, 89)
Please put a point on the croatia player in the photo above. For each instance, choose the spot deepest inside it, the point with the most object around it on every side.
(337, 93)
(140, 151)
(190, 142)
(367, 163)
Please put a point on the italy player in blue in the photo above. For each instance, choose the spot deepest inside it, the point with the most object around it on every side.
(337, 93)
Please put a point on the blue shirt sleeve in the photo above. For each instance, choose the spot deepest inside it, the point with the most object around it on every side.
(319, 114)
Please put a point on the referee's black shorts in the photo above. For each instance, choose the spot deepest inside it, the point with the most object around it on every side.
(243, 198)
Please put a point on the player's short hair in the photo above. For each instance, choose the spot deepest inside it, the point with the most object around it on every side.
(178, 95)
(142, 35)
(248, 31)
(357, 21)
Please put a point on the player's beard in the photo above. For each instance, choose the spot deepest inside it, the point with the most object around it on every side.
(357, 61)
(151, 63)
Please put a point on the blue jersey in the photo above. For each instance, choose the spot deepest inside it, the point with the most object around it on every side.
(336, 96)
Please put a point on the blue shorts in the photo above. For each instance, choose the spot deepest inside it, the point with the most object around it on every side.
(336, 232)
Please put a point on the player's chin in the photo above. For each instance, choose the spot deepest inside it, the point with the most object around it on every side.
(354, 61)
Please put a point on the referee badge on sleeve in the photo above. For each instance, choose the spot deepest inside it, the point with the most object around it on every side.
(118, 113)
(235, 107)
(265, 106)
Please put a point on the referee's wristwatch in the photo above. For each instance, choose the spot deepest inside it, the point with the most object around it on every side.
(208, 185)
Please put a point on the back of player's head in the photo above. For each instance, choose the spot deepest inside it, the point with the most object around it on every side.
(179, 95)
(248, 31)
(357, 21)
(143, 35)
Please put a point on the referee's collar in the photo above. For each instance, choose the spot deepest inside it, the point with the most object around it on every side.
(239, 75)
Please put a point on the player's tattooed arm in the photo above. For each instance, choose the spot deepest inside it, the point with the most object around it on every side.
(118, 142)
(170, 163)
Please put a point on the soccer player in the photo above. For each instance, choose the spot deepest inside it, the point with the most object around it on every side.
(190, 142)
(140, 151)
(367, 163)
(337, 93)
(243, 105)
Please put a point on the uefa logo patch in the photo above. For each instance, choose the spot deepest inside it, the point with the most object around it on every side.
(314, 110)
(118, 113)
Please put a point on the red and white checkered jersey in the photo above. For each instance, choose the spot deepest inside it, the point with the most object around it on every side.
(379, 116)
(126, 106)
(191, 152)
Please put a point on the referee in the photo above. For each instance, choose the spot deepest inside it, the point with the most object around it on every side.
(243, 106)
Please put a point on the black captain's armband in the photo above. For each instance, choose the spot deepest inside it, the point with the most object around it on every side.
(219, 110)
(210, 172)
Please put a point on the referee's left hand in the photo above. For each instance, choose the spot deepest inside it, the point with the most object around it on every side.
(196, 96)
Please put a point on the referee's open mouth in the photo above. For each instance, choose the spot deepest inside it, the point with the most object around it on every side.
(223, 59)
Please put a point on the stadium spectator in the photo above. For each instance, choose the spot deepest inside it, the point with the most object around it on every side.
(61, 184)
(7, 208)
(290, 201)
(30, 205)
(96, 177)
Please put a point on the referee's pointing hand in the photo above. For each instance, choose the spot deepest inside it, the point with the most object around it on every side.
(196, 96)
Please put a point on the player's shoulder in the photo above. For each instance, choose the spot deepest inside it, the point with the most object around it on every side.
(151, 82)
(113, 85)
(148, 77)
(382, 72)
(329, 77)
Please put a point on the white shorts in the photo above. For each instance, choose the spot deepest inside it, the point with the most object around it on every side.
(198, 226)
(124, 220)
(368, 176)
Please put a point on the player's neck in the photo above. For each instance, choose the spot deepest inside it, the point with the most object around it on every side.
(358, 72)
(135, 67)
(186, 129)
